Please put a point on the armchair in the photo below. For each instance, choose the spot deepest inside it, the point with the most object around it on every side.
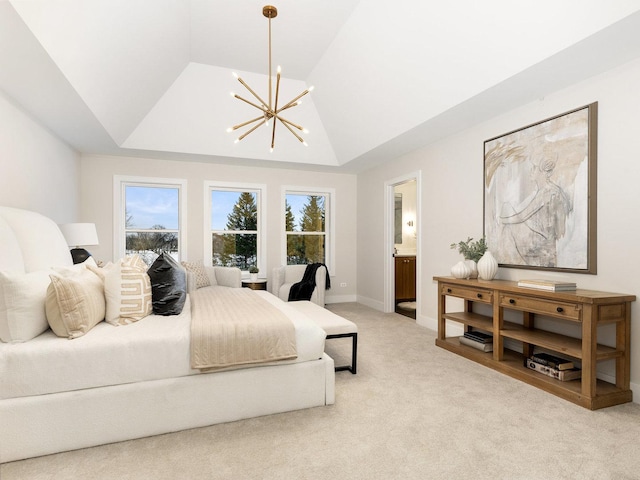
(224, 276)
(285, 276)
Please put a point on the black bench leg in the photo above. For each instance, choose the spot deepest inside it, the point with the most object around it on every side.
(354, 352)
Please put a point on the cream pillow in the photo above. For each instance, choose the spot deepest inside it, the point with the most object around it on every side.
(22, 305)
(197, 268)
(75, 302)
(127, 290)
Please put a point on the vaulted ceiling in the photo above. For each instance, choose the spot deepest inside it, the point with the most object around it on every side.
(152, 78)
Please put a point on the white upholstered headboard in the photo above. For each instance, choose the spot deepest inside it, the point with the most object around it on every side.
(30, 241)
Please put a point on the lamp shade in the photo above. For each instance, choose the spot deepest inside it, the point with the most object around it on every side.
(78, 234)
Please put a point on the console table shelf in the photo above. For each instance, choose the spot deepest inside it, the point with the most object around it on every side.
(585, 308)
(472, 319)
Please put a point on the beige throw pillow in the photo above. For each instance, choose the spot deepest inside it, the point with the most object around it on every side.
(127, 290)
(197, 268)
(75, 302)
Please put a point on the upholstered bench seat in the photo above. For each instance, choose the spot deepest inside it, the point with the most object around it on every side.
(334, 326)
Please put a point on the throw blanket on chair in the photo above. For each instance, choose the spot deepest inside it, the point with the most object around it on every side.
(234, 326)
(304, 288)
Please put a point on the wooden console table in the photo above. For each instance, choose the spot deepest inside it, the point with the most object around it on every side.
(586, 308)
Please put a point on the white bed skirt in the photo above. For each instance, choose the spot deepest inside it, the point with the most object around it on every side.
(45, 424)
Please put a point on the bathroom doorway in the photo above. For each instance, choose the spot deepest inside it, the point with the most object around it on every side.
(402, 265)
(405, 248)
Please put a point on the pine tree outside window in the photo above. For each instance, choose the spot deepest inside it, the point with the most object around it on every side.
(235, 239)
(308, 221)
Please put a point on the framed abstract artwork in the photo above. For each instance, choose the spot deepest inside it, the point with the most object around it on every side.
(540, 194)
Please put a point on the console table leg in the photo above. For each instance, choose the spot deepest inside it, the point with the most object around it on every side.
(589, 345)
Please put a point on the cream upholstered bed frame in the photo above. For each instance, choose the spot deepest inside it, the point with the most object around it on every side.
(44, 424)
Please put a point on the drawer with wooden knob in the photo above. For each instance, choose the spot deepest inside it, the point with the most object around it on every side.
(568, 311)
(474, 294)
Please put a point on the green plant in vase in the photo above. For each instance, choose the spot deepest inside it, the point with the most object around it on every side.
(472, 251)
(253, 272)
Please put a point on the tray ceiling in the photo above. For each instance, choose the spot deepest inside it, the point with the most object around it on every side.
(149, 78)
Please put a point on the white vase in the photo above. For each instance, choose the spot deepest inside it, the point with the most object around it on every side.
(473, 267)
(487, 266)
(253, 276)
(461, 270)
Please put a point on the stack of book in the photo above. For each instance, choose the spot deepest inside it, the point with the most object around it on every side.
(552, 366)
(479, 340)
(549, 285)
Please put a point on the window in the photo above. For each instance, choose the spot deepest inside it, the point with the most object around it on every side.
(308, 226)
(234, 237)
(149, 218)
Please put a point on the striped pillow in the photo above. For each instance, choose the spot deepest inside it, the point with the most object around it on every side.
(74, 303)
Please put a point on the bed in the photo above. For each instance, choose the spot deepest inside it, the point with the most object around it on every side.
(119, 383)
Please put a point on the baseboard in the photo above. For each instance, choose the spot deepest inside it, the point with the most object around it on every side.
(635, 388)
(340, 299)
(428, 322)
(369, 302)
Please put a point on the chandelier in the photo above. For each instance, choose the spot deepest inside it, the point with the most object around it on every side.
(269, 110)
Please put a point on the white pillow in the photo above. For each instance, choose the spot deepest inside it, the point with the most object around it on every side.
(127, 290)
(75, 302)
(22, 305)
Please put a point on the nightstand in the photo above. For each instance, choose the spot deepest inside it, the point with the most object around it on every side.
(255, 284)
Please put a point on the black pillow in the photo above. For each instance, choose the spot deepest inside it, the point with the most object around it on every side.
(168, 285)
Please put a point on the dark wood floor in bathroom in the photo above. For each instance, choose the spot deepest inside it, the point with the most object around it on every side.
(411, 313)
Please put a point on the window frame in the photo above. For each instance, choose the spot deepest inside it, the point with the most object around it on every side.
(329, 223)
(260, 190)
(120, 182)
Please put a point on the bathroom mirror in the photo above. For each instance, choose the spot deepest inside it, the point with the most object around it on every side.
(398, 218)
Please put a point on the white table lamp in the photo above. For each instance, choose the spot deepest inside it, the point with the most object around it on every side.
(77, 234)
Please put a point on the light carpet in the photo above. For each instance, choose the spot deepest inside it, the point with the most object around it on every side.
(413, 411)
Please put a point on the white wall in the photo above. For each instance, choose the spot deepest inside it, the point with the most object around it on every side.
(452, 196)
(97, 206)
(37, 170)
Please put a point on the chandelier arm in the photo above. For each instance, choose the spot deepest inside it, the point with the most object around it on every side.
(259, 107)
(273, 135)
(287, 122)
(275, 105)
(286, 108)
(251, 130)
(253, 93)
(293, 101)
(291, 130)
(236, 127)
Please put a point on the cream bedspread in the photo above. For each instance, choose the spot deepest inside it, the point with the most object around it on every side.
(237, 327)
